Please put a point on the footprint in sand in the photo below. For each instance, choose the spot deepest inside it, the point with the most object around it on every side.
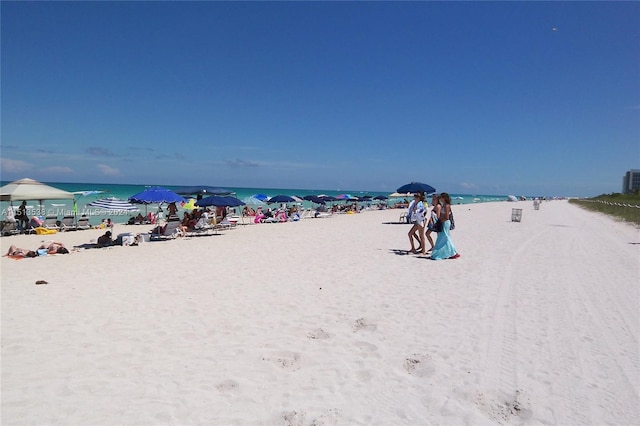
(293, 418)
(318, 334)
(362, 324)
(366, 346)
(285, 360)
(419, 365)
(227, 386)
(504, 409)
(330, 417)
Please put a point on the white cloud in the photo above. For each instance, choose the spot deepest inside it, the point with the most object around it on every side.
(108, 171)
(14, 166)
(467, 185)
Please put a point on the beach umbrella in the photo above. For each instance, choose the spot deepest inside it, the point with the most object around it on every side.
(156, 195)
(29, 189)
(281, 199)
(219, 201)
(380, 197)
(414, 187)
(83, 194)
(233, 201)
(328, 198)
(343, 197)
(112, 204)
(260, 197)
(202, 190)
(252, 201)
(314, 199)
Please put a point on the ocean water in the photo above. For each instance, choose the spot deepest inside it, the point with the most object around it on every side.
(61, 208)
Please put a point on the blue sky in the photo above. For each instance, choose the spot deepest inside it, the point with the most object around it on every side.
(534, 98)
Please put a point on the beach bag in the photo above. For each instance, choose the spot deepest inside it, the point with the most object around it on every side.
(437, 226)
(453, 223)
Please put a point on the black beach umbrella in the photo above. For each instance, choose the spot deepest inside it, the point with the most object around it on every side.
(314, 199)
(414, 187)
(281, 199)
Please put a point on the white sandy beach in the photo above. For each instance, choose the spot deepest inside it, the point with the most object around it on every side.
(327, 322)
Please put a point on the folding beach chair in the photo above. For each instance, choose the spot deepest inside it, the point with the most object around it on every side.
(171, 231)
(51, 222)
(67, 224)
(10, 228)
(83, 223)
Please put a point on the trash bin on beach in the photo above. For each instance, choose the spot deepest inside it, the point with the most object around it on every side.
(536, 205)
(516, 215)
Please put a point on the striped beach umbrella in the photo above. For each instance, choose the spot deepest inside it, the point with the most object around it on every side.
(112, 204)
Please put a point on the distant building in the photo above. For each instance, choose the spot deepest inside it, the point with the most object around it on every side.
(631, 181)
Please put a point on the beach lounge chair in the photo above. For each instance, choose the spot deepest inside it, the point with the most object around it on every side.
(10, 228)
(83, 223)
(51, 222)
(307, 214)
(67, 223)
(226, 223)
(202, 227)
(171, 231)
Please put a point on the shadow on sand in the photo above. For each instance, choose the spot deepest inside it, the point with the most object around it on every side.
(400, 252)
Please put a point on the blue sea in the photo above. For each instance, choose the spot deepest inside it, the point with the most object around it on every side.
(61, 208)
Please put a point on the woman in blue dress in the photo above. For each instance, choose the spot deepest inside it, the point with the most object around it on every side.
(444, 248)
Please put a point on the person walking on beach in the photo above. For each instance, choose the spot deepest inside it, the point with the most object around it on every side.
(430, 225)
(444, 248)
(416, 214)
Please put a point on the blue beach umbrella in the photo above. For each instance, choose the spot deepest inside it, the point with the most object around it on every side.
(281, 199)
(253, 201)
(219, 201)
(414, 187)
(156, 195)
(260, 197)
(314, 199)
(346, 197)
(380, 197)
(233, 201)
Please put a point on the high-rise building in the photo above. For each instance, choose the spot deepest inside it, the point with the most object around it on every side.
(631, 181)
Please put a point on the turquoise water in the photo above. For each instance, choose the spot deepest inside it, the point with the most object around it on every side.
(61, 208)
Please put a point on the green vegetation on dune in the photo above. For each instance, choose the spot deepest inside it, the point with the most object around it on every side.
(621, 206)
